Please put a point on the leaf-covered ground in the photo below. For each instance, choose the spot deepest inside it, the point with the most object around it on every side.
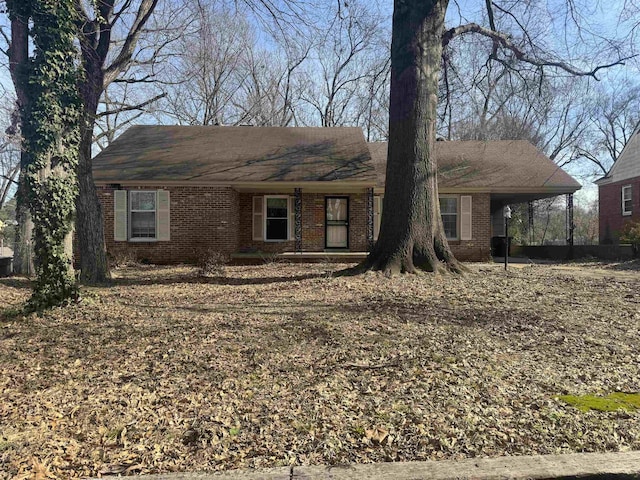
(283, 364)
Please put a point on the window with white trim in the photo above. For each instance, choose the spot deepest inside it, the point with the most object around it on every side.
(449, 213)
(142, 215)
(627, 200)
(276, 218)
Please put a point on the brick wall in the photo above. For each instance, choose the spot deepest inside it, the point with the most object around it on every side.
(477, 249)
(611, 219)
(313, 220)
(200, 217)
(221, 219)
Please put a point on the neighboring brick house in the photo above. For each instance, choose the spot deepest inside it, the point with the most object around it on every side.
(619, 192)
(170, 193)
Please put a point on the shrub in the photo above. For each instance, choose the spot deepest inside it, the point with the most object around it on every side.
(630, 233)
(210, 261)
(123, 258)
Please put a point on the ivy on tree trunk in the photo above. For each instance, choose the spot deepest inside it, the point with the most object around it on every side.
(50, 128)
(412, 235)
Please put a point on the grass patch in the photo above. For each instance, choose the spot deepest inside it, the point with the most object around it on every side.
(613, 402)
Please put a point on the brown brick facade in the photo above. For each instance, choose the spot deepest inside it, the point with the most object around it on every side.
(478, 249)
(611, 219)
(220, 219)
(200, 218)
(313, 220)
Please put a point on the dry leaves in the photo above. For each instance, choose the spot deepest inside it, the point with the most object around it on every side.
(282, 364)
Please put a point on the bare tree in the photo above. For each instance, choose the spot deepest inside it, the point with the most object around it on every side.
(615, 119)
(373, 101)
(346, 56)
(206, 66)
(10, 144)
(413, 237)
(17, 53)
(9, 169)
(112, 34)
(272, 88)
(122, 105)
(491, 101)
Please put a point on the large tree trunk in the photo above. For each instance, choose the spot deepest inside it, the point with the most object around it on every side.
(19, 66)
(412, 234)
(94, 267)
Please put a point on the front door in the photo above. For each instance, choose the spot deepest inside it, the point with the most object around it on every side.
(337, 222)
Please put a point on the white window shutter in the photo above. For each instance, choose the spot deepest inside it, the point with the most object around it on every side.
(377, 215)
(465, 217)
(120, 215)
(292, 218)
(258, 218)
(163, 226)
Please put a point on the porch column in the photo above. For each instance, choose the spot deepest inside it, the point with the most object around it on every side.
(298, 218)
(370, 218)
(531, 232)
(569, 224)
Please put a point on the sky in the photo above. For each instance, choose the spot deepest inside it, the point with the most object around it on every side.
(599, 19)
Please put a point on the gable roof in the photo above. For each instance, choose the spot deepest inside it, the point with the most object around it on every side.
(502, 166)
(627, 165)
(250, 155)
(158, 153)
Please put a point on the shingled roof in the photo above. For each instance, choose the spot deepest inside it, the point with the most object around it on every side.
(237, 155)
(627, 165)
(155, 153)
(505, 166)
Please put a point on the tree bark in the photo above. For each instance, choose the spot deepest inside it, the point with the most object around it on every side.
(95, 43)
(18, 67)
(94, 267)
(22, 251)
(95, 38)
(412, 235)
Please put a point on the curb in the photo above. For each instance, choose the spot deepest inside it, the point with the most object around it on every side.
(586, 466)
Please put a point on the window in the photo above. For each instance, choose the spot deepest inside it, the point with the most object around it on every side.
(449, 212)
(627, 200)
(142, 215)
(276, 218)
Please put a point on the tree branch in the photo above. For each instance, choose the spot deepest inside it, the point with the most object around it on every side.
(126, 52)
(506, 42)
(128, 108)
(492, 24)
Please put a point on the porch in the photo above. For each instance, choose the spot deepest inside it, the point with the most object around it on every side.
(299, 257)
(305, 223)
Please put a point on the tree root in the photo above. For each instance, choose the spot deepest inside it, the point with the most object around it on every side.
(437, 260)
